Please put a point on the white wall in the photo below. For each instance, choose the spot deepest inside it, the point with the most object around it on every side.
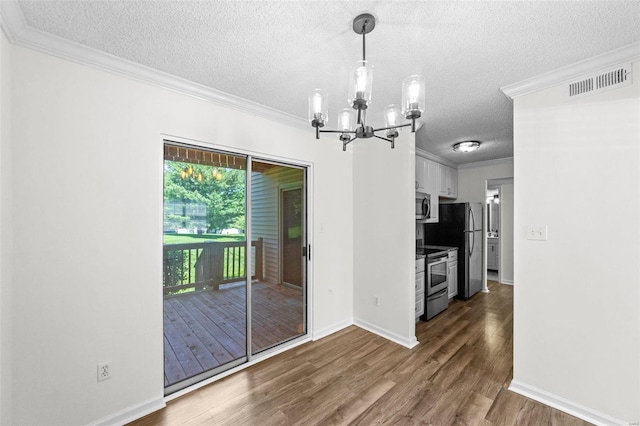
(577, 296)
(472, 179)
(87, 231)
(6, 229)
(506, 234)
(384, 241)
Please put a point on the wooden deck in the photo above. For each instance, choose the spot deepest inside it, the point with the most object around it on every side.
(206, 329)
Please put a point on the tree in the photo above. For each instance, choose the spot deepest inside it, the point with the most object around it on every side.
(221, 190)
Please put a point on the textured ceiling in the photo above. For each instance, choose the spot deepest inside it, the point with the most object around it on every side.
(276, 52)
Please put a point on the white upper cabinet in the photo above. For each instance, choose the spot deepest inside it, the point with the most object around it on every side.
(432, 177)
(432, 184)
(421, 177)
(436, 180)
(448, 181)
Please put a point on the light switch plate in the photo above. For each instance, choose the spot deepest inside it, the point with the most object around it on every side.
(537, 232)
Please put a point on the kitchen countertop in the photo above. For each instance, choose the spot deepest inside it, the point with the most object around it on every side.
(443, 248)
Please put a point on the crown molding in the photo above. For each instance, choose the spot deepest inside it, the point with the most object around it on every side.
(625, 54)
(19, 33)
(433, 157)
(497, 162)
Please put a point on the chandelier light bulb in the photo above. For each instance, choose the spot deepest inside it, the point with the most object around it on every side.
(413, 96)
(345, 120)
(391, 115)
(317, 103)
(360, 85)
(414, 92)
(361, 81)
(318, 108)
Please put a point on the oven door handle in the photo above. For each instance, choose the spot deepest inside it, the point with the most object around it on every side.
(438, 260)
(437, 295)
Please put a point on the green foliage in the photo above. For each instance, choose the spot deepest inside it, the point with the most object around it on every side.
(221, 190)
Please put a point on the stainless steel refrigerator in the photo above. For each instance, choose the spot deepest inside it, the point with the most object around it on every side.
(460, 225)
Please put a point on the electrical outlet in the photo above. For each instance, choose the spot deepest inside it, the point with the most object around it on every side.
(376, 301)
(104, 371)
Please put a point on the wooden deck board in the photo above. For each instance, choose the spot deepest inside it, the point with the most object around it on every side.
(206, 329)
(198, 325)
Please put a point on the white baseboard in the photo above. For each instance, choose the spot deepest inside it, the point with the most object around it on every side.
(333, 328)
(407, 343)
(562, 404)
(507, 282)
(131, 413)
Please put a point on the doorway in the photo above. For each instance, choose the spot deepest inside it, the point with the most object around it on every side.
(223, 258)
(499, 230)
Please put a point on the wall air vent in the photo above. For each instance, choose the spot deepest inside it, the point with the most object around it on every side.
(617, 77)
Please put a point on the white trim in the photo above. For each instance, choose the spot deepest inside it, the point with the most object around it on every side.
(333, 328)
(496, 183)
(18, 33)
(132, 413)
(562, 404)
(506, 282)
(389, 335)
(576, 71)
(496, 162)
(424, 154)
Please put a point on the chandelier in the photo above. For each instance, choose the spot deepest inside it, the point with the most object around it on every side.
(360, 97)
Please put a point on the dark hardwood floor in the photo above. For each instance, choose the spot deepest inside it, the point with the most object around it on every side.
(458, 374)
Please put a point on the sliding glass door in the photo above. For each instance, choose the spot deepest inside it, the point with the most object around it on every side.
(234, 283)
(278, 212)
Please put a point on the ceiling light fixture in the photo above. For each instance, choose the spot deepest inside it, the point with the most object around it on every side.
(413, 89)
(466, 146)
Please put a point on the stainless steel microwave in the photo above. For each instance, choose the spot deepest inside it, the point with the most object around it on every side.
(423, 206)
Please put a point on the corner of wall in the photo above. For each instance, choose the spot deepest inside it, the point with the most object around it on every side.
(384, 238)
(6, 236)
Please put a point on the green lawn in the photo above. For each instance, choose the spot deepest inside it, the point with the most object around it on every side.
(192, 238)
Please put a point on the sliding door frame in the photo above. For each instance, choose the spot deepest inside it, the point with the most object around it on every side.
(250, 155)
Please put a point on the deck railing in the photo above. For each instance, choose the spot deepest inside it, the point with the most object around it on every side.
(208, 264)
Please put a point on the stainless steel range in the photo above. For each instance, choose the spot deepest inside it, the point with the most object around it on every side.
(437, 284)
(436, 291)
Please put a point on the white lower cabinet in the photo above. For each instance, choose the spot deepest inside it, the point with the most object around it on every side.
(493, 253)
(452, 273)
(453, 279)
(419, 294)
